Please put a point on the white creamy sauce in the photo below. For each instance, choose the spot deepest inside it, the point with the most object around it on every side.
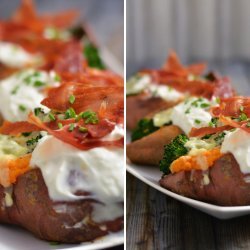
(116, 134)
(238, 144)
(137, 84)
(23, 91)
(98, 171)
(165, 92)
(15, 56)
(191, 113)
(162, 117)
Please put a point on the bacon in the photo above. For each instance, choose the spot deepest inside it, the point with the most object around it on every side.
(233, 107)
(200, 132)
(83, 142)
(87, 97)
(16, 128)
(28, 17)
(174, 66)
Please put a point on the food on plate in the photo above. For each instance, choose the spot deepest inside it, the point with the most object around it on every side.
(159, 128)
(151, 91)
(212, 164)
(62, 134)
(38, 52)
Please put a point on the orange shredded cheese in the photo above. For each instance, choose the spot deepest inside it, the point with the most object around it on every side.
(12, 168)
(201, 161)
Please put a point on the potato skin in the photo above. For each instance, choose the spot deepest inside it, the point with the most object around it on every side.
(139, 106)
(149, 149)
(226, 187)
(34, 211)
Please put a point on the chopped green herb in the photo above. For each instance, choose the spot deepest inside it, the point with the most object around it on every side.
(241, 108)
(39, 83)
(22, 108)
(27, 80)
(90, 117)
(60, 125)
(70, 113)
(14, 91)
(205, 105)
(187, 111)
(33, 140)
(72, 99)
(37, 111)
(213, 122)
(219, 138)
(243, 117)
(52, 117)
(197, 121)
(57, 78)
(248, 125)
(217, 99)
(37, 73)
(71, 127)
(83, 129)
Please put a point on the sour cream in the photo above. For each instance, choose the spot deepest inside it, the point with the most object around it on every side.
(98, 171)
(22, 92)
(137, 84)
(13, 55)
(194, 112)
(238, 144)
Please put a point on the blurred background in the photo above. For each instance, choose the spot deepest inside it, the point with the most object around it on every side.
(217, 31)
(104, 17)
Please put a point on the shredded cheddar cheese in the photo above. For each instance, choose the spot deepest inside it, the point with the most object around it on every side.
(202, 161)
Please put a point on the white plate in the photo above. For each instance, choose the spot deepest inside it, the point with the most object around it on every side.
(13, 238)
(151, 175)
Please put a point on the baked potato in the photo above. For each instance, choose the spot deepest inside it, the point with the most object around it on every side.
(67, 222)
(222, 184)
(139, 106)
(149, 149)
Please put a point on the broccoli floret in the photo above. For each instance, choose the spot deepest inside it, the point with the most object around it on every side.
(173, 151)
(144, 127)
(92, 56)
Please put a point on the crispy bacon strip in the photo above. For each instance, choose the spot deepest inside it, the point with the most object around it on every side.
(200, 132)
(233, 107)
(16, 128)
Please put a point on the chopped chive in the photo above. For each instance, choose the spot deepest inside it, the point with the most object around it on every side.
(37, 111)
(60, 125)
(243, 117)
(22, 108)
(205, 105)
(37, 73)
(90, 117)
(52, 117)
(71, 127)
(187, 111)
(83, 129)
(217, 99)
(72, 99)
(70, 113)
(197, 121)
(57, 78)
(38, 84)
(14, 91)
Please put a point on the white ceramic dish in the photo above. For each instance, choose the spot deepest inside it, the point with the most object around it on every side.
(151, 175)
(13, 238)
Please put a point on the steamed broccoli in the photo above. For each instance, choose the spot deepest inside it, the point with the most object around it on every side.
(92, 55)
(173, 151)
(144, 127)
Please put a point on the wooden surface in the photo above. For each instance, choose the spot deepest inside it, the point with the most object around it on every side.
(156, 221)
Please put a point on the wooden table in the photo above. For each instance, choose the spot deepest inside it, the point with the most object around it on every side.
(156, 221)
